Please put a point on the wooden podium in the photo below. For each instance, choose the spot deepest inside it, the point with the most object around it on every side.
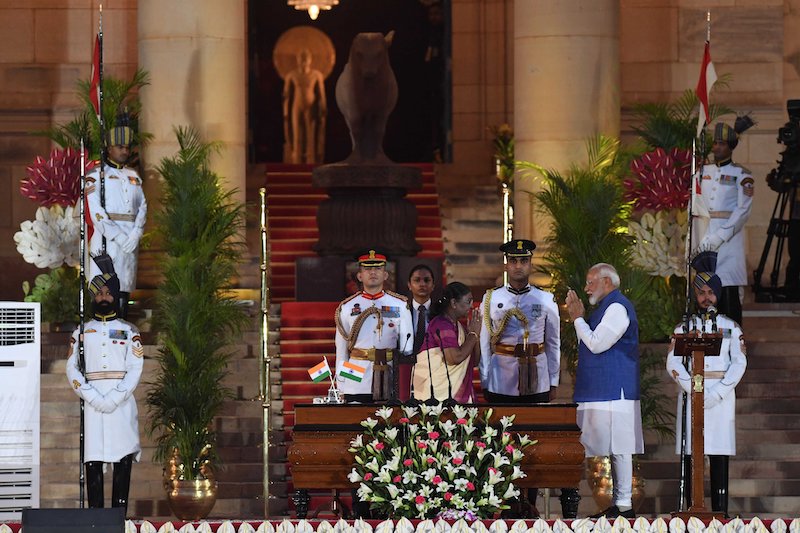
(699, 346)
(322, 433)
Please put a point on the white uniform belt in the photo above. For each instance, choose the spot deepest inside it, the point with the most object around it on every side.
(714, 374)
(120, 216)
(720, 214)
(110, 374)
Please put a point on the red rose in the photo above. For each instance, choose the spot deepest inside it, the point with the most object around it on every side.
(470, 486)
(396, 479)
(437, 480)
(419, 500)
(408, 462)
(433, 435)
(461, 421)
(403, 420)
(480, 444)
(448, 496)
(457, 460)
(380, 446)
(367, 476)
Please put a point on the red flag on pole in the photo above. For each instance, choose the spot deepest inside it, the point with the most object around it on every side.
(94, 84)
(708, 76)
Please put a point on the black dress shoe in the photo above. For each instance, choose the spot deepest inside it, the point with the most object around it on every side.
(613, 512)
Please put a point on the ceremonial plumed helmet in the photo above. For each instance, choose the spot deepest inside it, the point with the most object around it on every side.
(372, 259)
(108, 278)
(518, 248)
(724, 133)
(705, 265)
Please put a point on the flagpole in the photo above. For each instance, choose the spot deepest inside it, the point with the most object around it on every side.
(102, 120)
(82, 315)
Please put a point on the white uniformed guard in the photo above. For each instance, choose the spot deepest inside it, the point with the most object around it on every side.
(520, 340)
(122, 220)
(371, 326)
(113, 358)
(727, 189)
(721, 375)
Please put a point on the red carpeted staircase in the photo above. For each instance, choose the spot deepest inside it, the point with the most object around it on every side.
(292, 209)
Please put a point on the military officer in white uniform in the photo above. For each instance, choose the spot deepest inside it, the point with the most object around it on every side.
(520, 340)
(113, 366)
(121, 221)
(727, 189)
(371, 327)
(722, 373)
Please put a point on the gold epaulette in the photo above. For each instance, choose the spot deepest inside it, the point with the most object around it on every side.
(744, 169)
(337, 314)
(397, 295)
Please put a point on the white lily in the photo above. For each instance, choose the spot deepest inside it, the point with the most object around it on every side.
(460, 411)
(369, 423)
(354, 476)
(410, 412)
(506, 421)
(393, 490)
(510, 492)
(357, 442)
(372, 465)
(495, 477)
(384, 412)
(390, 434)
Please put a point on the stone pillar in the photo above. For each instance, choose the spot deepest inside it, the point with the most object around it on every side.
(195, 52)
(566, 89)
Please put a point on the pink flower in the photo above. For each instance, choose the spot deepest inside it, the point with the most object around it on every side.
(403, 420)
(506, 434)
(408, 462)
(367, 476)
(431, 460)
(380, 446)
(437, 480)
(446, 444)
(54, 181)
(419, 500)
(470, 485)
(480, 444)
(457, 460)
(461, 421)
(396, 479)
(448, 496)
(510, 449)
(421, 445)
(433, 435)
(492, 470)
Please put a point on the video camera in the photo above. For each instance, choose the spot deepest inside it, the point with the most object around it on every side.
(787, 174)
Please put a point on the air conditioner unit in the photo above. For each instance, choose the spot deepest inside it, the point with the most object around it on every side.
(20, 374)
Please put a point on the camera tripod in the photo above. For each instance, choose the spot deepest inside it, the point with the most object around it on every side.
(779, 231)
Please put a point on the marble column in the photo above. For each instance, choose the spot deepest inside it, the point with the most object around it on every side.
(195, 53)
(566, 89)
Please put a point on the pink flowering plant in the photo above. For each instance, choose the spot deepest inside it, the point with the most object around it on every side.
(436, 461)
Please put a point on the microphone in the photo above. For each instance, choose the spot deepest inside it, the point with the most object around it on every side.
(450, 401)
(713, 313)
(432, 400)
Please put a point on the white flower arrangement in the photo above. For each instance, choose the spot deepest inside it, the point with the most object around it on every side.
(50, 240)
(435, 461)
(660, 238)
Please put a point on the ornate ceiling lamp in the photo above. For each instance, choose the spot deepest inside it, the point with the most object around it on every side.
(313, 6)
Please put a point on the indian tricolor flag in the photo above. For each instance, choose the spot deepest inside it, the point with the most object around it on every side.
(352, 371)
(320, 372)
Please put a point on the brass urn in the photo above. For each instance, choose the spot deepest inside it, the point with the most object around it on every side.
(189, 499)
(598, 475)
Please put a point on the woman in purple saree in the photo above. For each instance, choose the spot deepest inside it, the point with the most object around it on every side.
(448, 343)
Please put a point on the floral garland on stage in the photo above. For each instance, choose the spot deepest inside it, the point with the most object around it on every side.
(433, 463)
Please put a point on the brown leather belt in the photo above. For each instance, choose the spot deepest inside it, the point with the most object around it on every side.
(720, 214)
(368, 354)
(714, 374)
(511, 349)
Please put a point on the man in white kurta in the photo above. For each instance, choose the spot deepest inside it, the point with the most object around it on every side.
(113, 366)
(607, 381)
(727, 190)
(118, 215)
(371, 327)
(721, 375)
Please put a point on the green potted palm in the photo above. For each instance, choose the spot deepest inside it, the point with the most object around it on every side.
(200, 227)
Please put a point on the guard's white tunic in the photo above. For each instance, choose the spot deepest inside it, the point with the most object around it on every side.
(393, 330)
(114, 358)
(724, 194)
(500, 373)
(612, 427)
(125, 212)
(720, 420)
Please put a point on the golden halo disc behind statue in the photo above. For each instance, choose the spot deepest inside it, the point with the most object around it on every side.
(293, 40)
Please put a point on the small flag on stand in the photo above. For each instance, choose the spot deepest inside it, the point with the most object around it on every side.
(94, 83)
(352, 371)
(320, 372)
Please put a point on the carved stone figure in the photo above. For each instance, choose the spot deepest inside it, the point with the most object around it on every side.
(304, 111)
(366, 93)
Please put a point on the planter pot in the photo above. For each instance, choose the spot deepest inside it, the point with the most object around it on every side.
(598, 475)
(191, 500)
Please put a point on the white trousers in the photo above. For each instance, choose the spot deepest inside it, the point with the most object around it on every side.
(622, 475)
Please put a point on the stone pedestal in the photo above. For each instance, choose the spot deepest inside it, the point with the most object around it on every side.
(367, 209)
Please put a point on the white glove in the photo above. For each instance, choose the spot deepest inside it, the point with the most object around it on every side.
(116, 396)
(130, 244)
(103, 404)
(711, 399)
(712, 242)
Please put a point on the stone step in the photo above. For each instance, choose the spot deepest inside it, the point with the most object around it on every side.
(773, 353)
(740, 468)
